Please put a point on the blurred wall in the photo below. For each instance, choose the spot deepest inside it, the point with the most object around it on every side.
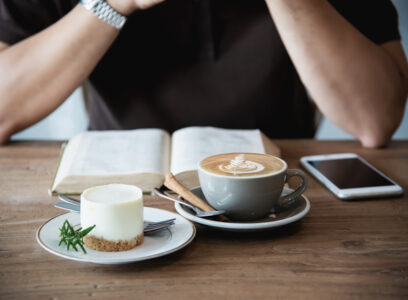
(71, 117)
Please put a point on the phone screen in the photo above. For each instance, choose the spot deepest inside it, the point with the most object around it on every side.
(348, 173)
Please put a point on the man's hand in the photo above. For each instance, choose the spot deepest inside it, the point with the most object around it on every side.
(126, 7)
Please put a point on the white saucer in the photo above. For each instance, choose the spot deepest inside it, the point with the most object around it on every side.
(298, 211)
(164, 242)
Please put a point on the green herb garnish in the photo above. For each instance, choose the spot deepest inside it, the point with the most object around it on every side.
(73, 237)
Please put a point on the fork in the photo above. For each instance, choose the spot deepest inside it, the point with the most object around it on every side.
(149, 227)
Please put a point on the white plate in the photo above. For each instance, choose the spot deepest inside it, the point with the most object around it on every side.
(291, 215)
(164, 242)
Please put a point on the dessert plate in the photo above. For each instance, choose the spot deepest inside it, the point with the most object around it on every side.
(294, 213)
(162, 243)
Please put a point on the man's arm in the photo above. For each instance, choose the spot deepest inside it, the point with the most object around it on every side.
(358, 85)
(3, 46)
(40, 72)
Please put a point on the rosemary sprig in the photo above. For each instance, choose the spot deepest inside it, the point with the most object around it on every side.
(73, 237)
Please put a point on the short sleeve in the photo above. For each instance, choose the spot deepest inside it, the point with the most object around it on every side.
(20, 19)
(376, 19)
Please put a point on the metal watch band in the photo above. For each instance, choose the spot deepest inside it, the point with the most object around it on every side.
(105, 12)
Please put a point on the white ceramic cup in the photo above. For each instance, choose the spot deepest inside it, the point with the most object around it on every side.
(247, 198)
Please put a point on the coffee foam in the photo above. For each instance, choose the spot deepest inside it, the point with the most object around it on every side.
(239, 165)
(242, 164)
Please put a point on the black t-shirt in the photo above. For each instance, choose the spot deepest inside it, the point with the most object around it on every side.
(198, 62)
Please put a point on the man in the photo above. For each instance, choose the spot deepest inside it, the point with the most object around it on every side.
(226, 63)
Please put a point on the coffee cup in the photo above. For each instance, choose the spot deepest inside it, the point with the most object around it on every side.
(247, 185)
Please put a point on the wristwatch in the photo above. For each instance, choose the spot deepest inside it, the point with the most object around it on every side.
(105, 12)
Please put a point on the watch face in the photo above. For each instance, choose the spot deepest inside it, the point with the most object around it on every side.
(89, 3)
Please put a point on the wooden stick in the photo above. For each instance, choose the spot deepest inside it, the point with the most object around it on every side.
(172, 183)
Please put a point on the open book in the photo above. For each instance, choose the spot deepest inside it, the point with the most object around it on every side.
(144, 156)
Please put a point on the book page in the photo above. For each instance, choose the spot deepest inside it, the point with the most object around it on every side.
(192, 144)
(117, 152)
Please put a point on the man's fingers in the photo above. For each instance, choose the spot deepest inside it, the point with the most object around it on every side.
(145, 4)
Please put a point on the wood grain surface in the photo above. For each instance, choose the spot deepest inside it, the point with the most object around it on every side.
(340, 250)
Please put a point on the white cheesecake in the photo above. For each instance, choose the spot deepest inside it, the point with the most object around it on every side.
(117, 212)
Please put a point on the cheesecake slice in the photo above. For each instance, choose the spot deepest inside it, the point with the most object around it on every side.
(117, 212)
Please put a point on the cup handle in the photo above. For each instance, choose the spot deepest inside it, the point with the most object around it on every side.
(288, 200)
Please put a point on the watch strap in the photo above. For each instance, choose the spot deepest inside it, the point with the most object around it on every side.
(105, 12)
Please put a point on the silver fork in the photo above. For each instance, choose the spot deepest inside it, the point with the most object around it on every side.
(149, 227)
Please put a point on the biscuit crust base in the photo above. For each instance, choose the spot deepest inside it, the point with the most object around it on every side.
(101, 244)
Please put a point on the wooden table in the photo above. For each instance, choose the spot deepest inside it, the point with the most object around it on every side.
(339, 250)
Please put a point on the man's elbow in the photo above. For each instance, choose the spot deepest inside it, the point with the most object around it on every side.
(378, 131)
(380, 135)
(375, 140)
(6, 130)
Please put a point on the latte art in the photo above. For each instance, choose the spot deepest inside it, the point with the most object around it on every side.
(241, 166)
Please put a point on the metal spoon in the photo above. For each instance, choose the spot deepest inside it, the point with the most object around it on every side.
(198, 212)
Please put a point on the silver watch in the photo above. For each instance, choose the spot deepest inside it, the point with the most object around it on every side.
(105, 12)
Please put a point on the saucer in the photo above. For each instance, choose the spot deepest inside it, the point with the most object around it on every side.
(162, 243)
(292, 214)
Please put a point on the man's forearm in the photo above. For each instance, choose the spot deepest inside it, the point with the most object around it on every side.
(39, 73)
(352, 80)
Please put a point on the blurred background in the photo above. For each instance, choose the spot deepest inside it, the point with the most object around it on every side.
(71, 117)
